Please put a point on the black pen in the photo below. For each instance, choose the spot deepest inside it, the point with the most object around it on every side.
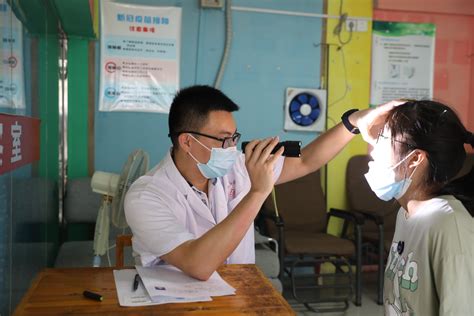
(136, 281)
(92, 296)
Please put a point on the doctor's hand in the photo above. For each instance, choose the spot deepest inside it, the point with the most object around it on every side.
(371, 121)
(260, 164)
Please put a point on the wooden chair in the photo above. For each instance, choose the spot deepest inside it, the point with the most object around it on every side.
(121, 241)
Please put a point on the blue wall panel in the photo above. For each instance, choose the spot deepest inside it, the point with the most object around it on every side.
(269, 53)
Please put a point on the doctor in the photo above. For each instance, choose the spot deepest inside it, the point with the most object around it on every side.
(195, 209)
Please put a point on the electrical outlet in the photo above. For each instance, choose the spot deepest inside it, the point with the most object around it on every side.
(351, 23)
(357, 25)
(212, 4)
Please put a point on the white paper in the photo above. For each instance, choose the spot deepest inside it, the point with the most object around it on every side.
(127, 297)
(167, 280)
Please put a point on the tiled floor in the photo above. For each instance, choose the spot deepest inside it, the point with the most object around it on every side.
(369, 306)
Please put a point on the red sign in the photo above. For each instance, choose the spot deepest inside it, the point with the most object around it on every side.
(19, 141)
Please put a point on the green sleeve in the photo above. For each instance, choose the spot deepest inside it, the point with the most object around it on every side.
(454, 282)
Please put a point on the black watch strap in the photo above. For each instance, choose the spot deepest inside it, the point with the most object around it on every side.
(345, 120)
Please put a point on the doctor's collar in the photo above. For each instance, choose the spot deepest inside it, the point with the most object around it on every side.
(213, 181)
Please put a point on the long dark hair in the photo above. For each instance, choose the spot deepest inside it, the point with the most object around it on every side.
(435, 128)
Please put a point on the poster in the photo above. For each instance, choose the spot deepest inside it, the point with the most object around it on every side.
(402, 61)
(140, 56)
(12, 84)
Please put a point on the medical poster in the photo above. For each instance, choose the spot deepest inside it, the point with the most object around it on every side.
(12, 84)
(402, 61)
(140, 56)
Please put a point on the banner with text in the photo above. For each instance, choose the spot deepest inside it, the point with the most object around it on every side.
(402, 61)
(12, 86)
(19, 141)
(140, 56)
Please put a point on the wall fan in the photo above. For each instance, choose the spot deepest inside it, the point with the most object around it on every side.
(305, 110)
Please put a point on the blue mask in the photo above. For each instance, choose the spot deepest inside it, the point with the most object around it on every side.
(220, 163)
(382, 181)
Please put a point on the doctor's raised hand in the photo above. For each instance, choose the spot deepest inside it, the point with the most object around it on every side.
(371, 121)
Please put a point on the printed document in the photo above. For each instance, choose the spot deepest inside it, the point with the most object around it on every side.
(166, 284)
(128, 297)
(167, 280)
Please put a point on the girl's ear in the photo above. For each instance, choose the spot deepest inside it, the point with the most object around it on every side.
(417, 158)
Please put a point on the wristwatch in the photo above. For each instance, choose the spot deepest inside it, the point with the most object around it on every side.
(345, 120)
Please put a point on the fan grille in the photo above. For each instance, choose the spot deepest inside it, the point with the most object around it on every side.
(304, 109)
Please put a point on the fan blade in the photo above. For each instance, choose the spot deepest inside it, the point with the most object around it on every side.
(135, 167)
(303, 98)
(315, 114)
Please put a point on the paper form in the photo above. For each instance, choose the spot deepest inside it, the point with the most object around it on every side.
(128, 297)
(167, 280)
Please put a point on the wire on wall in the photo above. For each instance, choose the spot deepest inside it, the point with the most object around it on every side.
(228, 44)
(337, 31)
(346, 83)
(340, 25)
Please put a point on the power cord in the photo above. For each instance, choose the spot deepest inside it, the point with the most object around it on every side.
(337, 31)
(346, 83)
(340, 24)
(342, 20)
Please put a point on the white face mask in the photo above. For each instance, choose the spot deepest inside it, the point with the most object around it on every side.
(382, 180)
(221, 161)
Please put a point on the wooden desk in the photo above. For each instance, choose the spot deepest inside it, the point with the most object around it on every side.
(59, 292)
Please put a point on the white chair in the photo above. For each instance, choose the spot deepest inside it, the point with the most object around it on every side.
(267, 259)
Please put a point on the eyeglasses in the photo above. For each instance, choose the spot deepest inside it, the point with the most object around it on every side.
(382, 136)
(226, 141)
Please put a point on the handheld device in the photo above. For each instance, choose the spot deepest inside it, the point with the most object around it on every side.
(292, 148)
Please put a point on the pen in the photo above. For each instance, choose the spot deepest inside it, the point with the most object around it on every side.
(92, 296)
(136, 281)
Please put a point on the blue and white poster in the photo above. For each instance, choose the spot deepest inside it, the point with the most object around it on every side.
(12, 84)
(402, 61)
(140, 57)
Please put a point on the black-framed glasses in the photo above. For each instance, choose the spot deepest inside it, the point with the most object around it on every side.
(382, 136)
(226, 141)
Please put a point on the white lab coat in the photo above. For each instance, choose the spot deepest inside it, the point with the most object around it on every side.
(163, 210)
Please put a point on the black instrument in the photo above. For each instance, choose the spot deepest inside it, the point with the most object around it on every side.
(292, 148)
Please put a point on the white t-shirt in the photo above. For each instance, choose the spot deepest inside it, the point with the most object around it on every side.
(430, 268)
(164, 210)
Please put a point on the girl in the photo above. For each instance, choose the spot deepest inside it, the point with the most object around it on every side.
(430, 269)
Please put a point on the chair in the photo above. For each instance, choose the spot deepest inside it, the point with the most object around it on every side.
(80, 210)
(298, 220)
(121, 241)
(266, 258)
(381, 216)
